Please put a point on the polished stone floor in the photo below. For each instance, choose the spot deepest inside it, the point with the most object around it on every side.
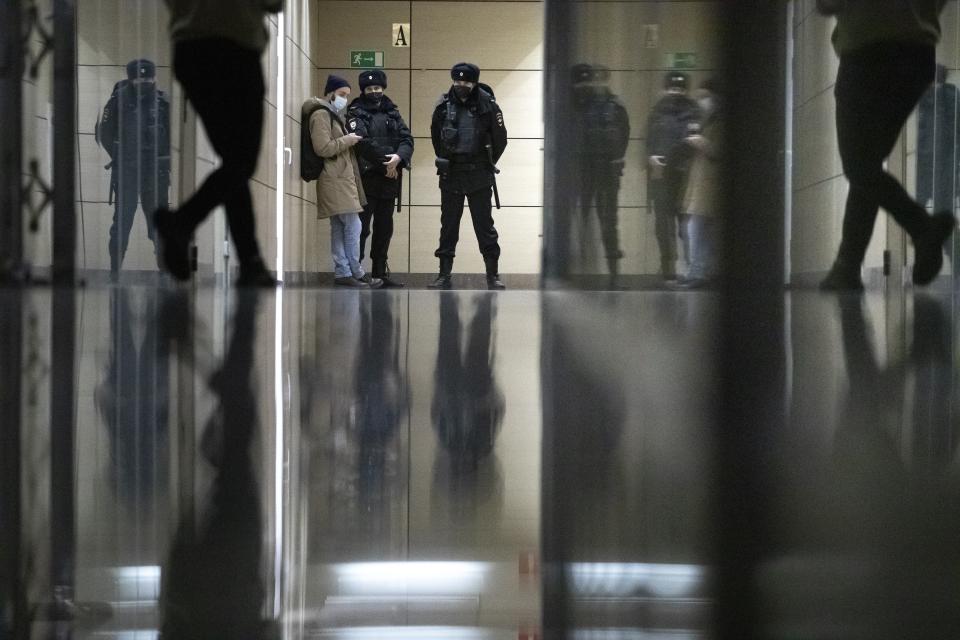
(310, 463)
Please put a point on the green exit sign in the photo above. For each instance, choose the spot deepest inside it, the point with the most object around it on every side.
(366, 59)
(685, 60)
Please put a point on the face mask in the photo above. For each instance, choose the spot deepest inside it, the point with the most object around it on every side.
(375, 96)
(339, 102)
(706, 104)
(462, 93)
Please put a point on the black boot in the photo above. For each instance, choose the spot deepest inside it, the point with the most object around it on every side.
(382, 271)
(444, 280)
(493, 274)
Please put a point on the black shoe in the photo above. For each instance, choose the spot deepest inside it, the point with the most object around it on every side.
(928, 249)
(256, 278)
(494, 283)
(382, 271)
(842, 279)
(443, 281)
(350, 281)
(174, 244)
(373, 283)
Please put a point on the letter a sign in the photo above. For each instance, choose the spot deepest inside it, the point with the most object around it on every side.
(401, 34)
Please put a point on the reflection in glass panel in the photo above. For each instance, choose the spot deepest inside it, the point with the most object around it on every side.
(126, 137)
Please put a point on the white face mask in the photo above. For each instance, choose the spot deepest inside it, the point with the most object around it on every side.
(339, 102)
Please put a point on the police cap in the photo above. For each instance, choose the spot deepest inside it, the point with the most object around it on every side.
(465, 71)
(373, 77)
(141, 68)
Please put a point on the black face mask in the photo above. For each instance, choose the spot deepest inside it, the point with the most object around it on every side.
(462, 93)
(375, 97)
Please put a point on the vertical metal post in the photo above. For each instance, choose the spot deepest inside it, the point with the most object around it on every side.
(64, 140)
(11, 151)
(560, 168)
(12, 590)
(63, 347)
(752, 370)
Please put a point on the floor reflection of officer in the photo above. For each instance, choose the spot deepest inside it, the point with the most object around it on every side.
(469, 136)
(133, 399)
(468, 405)
(603, 133)
(135, 131)
(382, 402)
(674, 117)
(384, 152)
(937, 132)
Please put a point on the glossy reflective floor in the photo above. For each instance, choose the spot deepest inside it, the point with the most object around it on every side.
(331, 464)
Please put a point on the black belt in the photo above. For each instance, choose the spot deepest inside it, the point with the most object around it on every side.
(456, 167)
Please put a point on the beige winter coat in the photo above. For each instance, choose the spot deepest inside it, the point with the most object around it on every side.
(339, 187)
(702, 197)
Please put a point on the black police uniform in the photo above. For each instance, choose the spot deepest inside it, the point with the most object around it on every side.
(384, 133)
(135, 131)
(461, 132)
(603, 133)
(673, 118)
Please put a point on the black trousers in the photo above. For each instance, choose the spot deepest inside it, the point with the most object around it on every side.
(602, 190)
(379, 212)
(481, 211)
(877, 89)
(143, 184)
(666, 195)
(224, 83)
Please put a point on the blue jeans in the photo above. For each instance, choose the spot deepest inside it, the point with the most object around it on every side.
(345, 245)
(702, 232)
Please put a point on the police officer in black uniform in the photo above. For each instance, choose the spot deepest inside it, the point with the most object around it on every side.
(603, 133)
(384, 152)
(674, 117)
(469, 136)
(135, 131)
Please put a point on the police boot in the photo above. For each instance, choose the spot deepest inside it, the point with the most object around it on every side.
(382, 271)
(444, 280)
(493, 274)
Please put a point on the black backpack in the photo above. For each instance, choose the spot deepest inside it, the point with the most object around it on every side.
(311, 165)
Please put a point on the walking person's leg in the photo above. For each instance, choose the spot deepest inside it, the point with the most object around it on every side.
(876, 91)
(224, 83)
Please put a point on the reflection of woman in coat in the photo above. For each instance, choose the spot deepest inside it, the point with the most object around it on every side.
(703, 190)
(340, 196)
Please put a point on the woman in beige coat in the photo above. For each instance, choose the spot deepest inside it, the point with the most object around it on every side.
(340, 194)
(703, 190)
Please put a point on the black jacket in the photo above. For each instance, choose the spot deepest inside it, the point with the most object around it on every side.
(490, 123)
(384, 133)
(603, 127)
(135, 127)
(673, 118)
